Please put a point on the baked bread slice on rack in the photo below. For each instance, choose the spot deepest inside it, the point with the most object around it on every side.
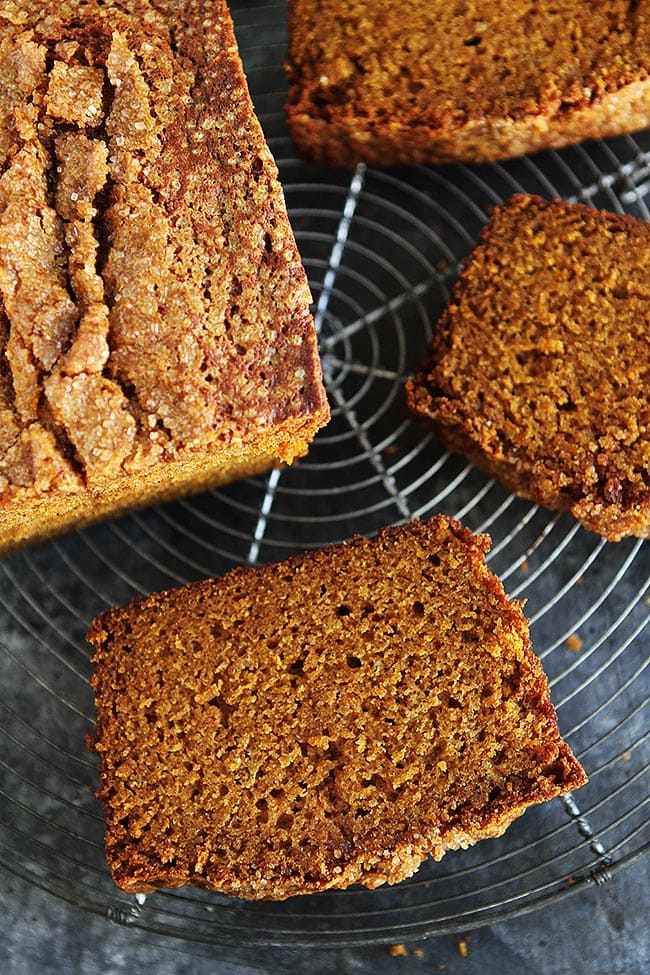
(437, 82)
(327, 720)
(155, 327)
(539, 369)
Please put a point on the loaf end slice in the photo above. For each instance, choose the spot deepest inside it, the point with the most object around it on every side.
(331, 719)
(539, 369)
(155, 327)
(451, 82)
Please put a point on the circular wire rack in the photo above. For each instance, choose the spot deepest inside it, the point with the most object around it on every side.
(382, 249)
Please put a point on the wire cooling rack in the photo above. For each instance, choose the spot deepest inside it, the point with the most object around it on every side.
(382, 249)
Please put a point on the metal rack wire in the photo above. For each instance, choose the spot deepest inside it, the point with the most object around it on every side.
(381, 249)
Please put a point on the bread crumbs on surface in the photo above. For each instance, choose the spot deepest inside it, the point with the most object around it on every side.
(625, 757)
(398, 951)
(462, 949)
(574, 642)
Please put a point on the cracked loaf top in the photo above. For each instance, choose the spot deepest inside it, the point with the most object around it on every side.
(152, 301)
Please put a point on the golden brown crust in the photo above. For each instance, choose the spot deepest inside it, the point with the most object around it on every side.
(326, 720)
(539, 367)
(473, 82)
(154, 313)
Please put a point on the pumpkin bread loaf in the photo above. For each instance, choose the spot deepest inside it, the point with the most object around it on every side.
(435, 81)
(326, 720)
(539, 369)
(155, 332)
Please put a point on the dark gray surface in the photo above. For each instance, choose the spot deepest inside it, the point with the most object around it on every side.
(410, 228)
(602, 931)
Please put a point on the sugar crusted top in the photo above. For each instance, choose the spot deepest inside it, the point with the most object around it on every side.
(152, 299)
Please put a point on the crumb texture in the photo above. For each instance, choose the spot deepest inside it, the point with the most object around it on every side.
(473, 80)
(153, 307)
(331, 719)
(539, 369)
